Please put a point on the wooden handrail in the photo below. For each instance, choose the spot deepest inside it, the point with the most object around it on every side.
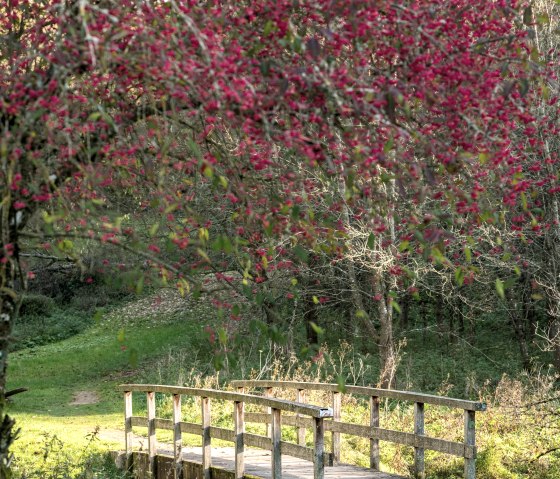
(366, 391)
(374, 432)
(238, 436)
(284, 405)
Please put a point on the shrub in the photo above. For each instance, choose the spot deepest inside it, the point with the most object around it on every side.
(36, 305)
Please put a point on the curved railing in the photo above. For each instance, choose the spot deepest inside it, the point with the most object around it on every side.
(375, 433)
(315, 416)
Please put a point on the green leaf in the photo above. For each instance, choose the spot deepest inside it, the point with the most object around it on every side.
(269, 26)
(153, 229)
(341, 384)
(222, 336)
(94, 116)
(468, 254)
(120, 336)
(396, 306)
(388, 146)
(459, 276)
(500, 288)
(371, 241)
(301, 253)
(316, 328)
(222, 243)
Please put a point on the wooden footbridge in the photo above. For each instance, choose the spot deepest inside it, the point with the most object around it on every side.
(255, 456)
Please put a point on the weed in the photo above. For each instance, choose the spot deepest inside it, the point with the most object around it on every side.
(55, 459)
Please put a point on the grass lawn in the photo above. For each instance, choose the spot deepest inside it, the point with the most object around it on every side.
(94, 361)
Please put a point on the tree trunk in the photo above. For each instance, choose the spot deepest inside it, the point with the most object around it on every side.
(360, 312)
(387, 356)
(405, 312)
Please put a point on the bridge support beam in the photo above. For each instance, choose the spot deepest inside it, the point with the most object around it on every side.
(300, 397)
(419, 470)
(177, 437)
(128, 428)
(206, 445)
(374, 423)
(276, 438)
(337, 406)
(152, 441)
(470, 464)
(239, 430)
(318, 448)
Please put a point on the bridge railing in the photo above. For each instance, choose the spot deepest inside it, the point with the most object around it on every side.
(315, 416)
(373, 432)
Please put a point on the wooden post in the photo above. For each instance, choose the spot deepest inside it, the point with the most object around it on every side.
(268, 393)
(177, 438)
(206, 445)
(374, 443)
(128, 428)
(300, 397)
(152, 442)
(276, 437)
(239, 425)
(318, 448)
(337, 403)
(419, 471)
(470, 464)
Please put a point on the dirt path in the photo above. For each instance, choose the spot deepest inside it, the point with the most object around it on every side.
(84, 397)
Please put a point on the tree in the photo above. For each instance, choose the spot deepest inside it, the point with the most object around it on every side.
(299, 121)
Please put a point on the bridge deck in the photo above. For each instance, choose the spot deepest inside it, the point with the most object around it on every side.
(257, 463)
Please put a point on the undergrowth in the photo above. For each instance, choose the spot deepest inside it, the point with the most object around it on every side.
(60, 459)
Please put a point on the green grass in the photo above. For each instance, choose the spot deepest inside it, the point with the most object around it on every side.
(95, 360)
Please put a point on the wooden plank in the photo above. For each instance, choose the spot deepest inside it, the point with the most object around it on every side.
(206, 438)
(375, 433)
(318, 449)
(128, 427)
(287, 420)
(300, 397)
(256, 440)
(239, 430)
(470, 463)
(191, 428)
(366, 391)
(374, 460)
(167, 424)
(419, 470)
(257, 465)
(288, 448)
(336, 406)
(152, 441)
(284, 405)
(295, 450)
(177, 437)
(276, 438)
(222, 434)
(406, 438)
